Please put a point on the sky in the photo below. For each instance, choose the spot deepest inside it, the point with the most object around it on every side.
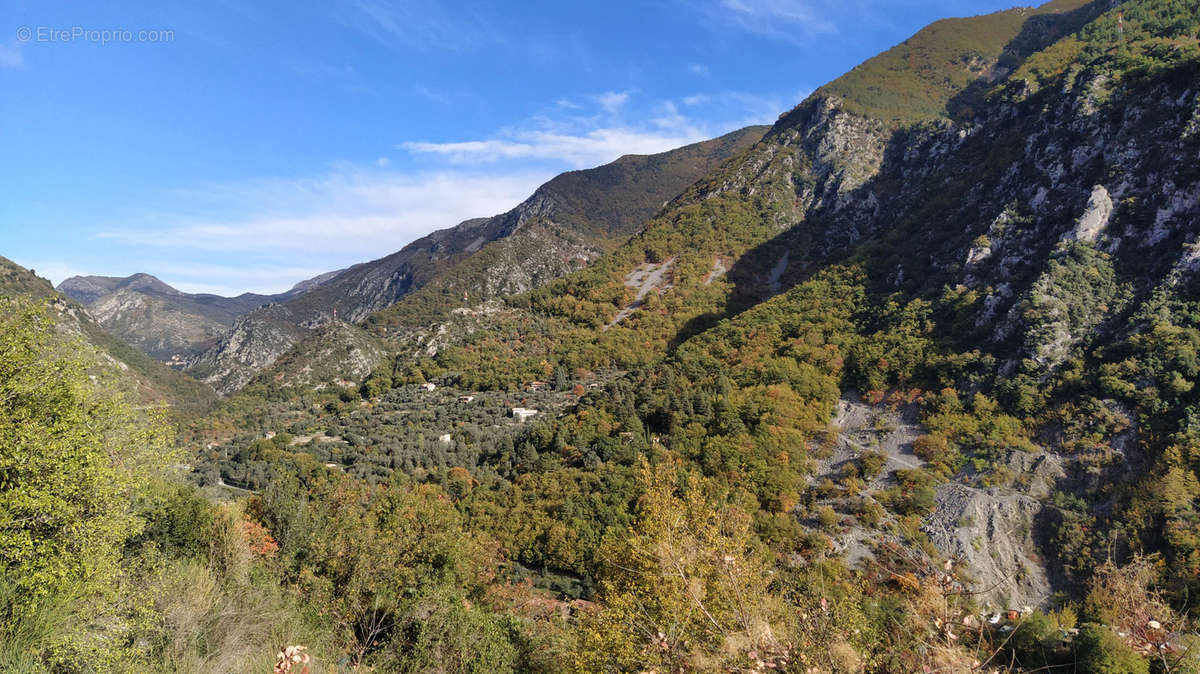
(231, 146)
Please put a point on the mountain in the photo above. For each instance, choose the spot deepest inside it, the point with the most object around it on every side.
(1023, 264)
(928, 350)
(159, 320)
(138, 375)
(971, 259)
(565, 224)
(824, 181)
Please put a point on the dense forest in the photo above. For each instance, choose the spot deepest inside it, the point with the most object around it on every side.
(739, 441)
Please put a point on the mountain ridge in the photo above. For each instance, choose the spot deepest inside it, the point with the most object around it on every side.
(146, 380)
(567, 216)
(980, 263)
(162, 321)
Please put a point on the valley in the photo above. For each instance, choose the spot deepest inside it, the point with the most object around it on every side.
(904, 382)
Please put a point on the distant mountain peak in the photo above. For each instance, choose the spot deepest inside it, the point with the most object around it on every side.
(309, 284)
(146, 282)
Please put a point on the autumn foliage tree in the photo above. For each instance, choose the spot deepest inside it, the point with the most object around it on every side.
(72, 455)
(69, 459)
(685, 588)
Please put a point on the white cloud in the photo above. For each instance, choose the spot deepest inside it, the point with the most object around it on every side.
(269, 234)
(11, 55)
(698, 69)
(580, 138)
(584, 140)
(57, 272)
(353, 213)
(229, 280)
(591, 148)
(739, 108)
(613, 101)
(669, 118)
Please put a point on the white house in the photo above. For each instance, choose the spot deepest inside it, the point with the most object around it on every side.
(522, 413)
(429, 386)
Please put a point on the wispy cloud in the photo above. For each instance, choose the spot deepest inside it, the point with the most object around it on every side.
(419, 24)
(279, 232)
(586, 138)
(353, 210)
(613, 101)
(11, 55)
(229, 280)
(791, 20)
(271, 233)
(52, 269)
(739, 108)
(592, 148)
(802, 21)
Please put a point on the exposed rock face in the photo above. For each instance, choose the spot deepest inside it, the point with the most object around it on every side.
(991, 530)
(159, 320)
(131, 372)
(254, 342)
(331, 354)
(1095, 217)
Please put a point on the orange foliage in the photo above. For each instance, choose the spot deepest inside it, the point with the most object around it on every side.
(259, 539)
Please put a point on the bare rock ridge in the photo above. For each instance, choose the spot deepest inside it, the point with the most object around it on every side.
(161, 321)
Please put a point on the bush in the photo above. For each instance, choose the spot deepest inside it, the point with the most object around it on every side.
(1035, 643)
(1098, 650)
(179, 521)
(827, 517)
(871, 464)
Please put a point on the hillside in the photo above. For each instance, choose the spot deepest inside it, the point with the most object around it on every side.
(926, 76)
(564, 225)
(1004, 276)
(159, 320)
(148, 381)
(906, 384)
(806, 195)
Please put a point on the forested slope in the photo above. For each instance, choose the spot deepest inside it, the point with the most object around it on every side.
(908, 385)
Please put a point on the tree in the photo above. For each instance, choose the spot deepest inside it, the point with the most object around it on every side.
(1101, 651)
(685, 588)
(389, 559)
(72, 453)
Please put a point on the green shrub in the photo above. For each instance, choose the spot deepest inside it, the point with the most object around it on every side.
(1098, 650)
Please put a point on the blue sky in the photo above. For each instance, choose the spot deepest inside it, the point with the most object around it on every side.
(228, 146)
